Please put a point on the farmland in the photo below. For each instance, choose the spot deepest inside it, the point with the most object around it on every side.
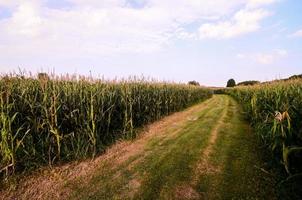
(136, 139)
(47, 121)
(150, 100)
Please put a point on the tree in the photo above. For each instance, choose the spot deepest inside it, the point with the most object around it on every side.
(248, 83)
(193, 83)
(231, 83)
(295, 77)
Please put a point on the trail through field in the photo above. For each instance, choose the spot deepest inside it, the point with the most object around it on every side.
(205, 152)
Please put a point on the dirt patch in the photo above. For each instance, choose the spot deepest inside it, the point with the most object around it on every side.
(51, 183)
(133, 188)
(186, 192)
(134, 184)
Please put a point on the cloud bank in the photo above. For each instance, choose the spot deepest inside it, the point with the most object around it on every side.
(92, 27)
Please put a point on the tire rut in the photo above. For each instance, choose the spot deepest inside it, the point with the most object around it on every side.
(203, 165)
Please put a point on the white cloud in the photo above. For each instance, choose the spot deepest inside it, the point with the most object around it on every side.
(14, 3)
(258, 3)
(264, 58)
(281, 52)
(98, 3)
(298, 33)
(25, 20)
(94, 27)
(181, 33)
(244, 21)
(7, 3)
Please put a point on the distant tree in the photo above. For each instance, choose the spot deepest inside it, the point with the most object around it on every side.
(43, 76)
(193, 83)
(220, 91)
(231, 83)
(295, 77)
(248, 83)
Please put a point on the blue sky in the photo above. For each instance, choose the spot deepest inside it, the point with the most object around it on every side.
(174, 40)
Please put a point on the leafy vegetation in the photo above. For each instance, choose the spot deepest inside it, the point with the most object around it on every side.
(295, 77)
(248, 83)
(49, 120)
(231, 83)
(275, 111)
(193, 83)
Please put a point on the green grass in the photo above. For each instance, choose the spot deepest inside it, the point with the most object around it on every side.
(174, 164)
(165, 164)
(240, 158)
(169, 162)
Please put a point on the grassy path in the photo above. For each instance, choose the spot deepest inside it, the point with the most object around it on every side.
(204, 152)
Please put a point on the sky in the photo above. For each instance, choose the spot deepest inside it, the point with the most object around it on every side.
(171, 40)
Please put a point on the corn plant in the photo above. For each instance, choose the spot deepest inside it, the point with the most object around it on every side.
(49, 120)
(275, 111)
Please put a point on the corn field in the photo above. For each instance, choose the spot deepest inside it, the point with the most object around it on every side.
(45, 121)
(275, 111)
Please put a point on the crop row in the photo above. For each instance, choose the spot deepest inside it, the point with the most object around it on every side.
(45, 121)
(275, 111)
